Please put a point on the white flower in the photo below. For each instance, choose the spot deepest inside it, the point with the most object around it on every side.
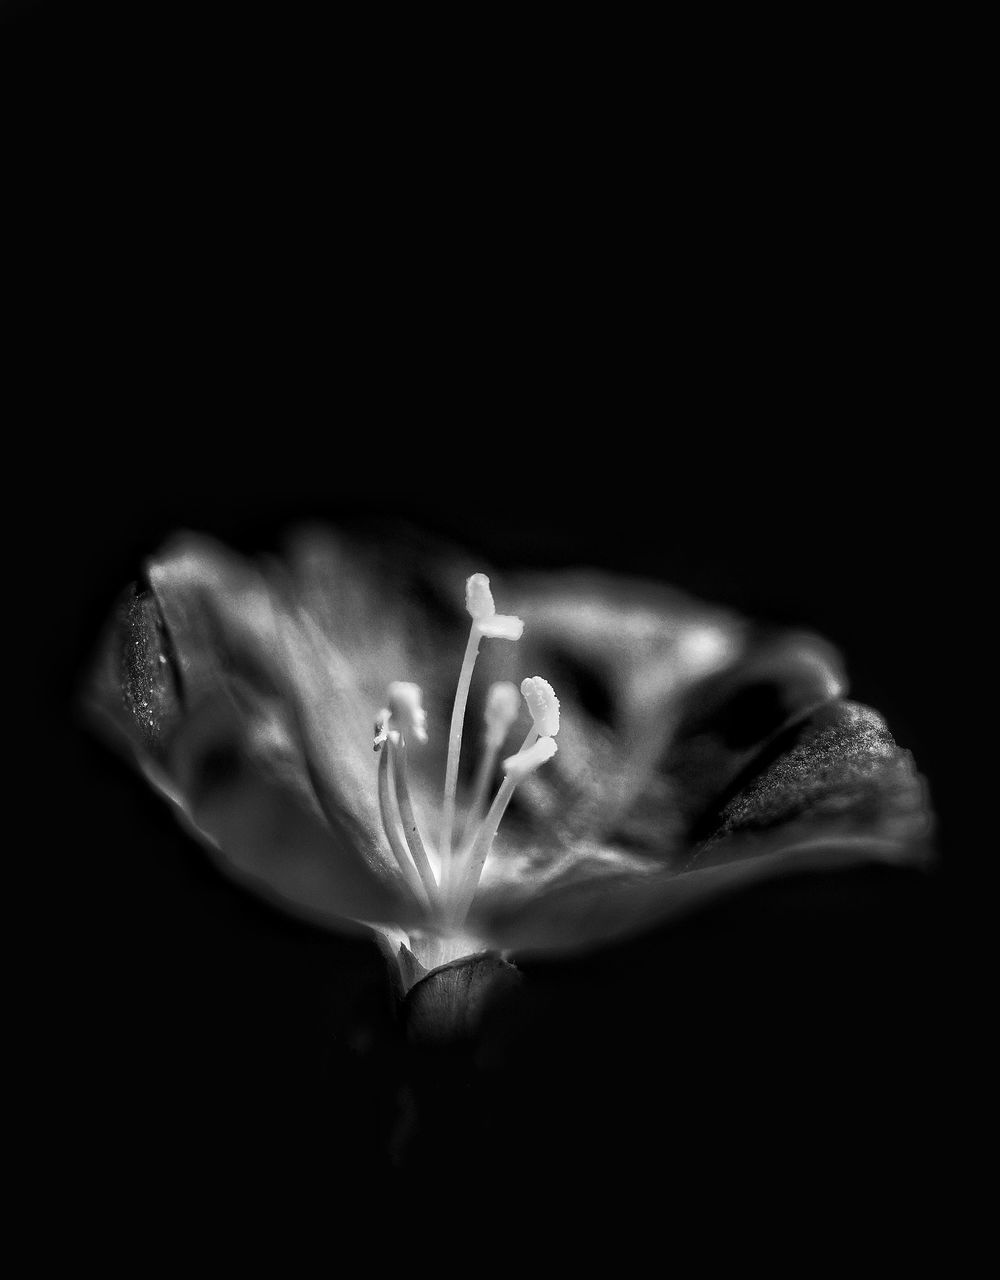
(695, 753)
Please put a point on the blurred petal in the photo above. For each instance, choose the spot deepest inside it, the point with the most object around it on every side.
(621, 654)
(837, 793)
(391, 607)
(666, 703)
(199, 678)
(729, 718)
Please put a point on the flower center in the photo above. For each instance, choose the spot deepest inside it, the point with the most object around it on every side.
(404, 720)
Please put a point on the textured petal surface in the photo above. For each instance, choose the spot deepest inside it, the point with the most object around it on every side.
(836, 793)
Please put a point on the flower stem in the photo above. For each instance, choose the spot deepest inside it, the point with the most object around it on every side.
(454, 753)
(410, 829)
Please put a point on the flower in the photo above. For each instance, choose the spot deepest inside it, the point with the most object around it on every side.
(696, 753)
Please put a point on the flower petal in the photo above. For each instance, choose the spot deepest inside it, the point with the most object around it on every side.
(667, 702)
(622, 654)
(837, 774)
(837, 793)
(697, 754)
(199, 678)
(729, 718)
(392, 608)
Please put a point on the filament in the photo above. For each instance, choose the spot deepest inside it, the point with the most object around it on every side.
(454, 753)
(388, 811)
(472, 869)
(409, 822)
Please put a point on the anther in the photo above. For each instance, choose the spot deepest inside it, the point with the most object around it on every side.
(406, 705)
(482, 610)
(381, 729)
(543, 705)
(479, 597)
(502, 626)
(527, 761)
(502, 706)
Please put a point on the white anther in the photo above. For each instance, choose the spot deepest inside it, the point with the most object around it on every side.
(489, 623)
(543, 705)
(502, 706)
(527, 761)
(406, 704)
(479, 597)
(502, 626)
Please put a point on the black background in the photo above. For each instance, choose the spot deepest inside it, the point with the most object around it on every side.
(687, 345)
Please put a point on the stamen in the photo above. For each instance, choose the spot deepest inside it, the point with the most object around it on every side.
(502, 705)
(381, 729)
(543, 705)
(479, 597)
(537, 747)
(528, 759)
(410, 829)
(533, 753)
(485, 622)
(502, 626)
(405, 716)
(390, 822)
